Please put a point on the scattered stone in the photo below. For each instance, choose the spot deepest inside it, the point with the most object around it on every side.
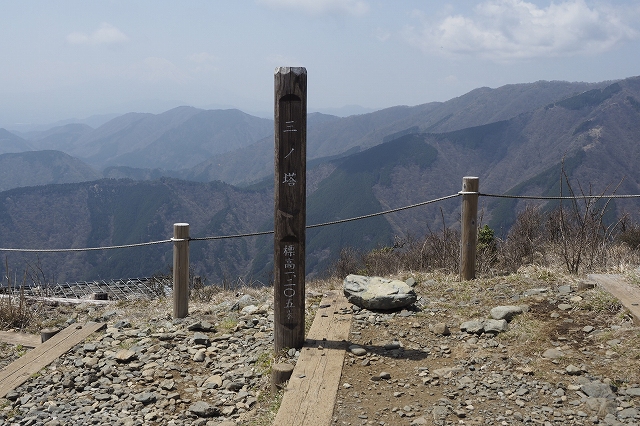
(246, 300)
(357, 350)
(629, 391)
(204, 409)
(572, 370)
(249, 310)
(384, 375)
(201, 339)
(564, 289)
(392, 345)
(495, 326)
(597, 389)
(145, 397)
(552, 353)
(201, 326)
(441, 329)
(472, 327)
(125, 355)
(506, 312)
(200, 355)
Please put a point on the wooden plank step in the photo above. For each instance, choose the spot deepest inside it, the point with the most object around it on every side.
(628, 295)
(24, 339)
(310, 395)
(19, 371)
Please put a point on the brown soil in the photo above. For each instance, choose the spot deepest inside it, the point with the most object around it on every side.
(417, 383)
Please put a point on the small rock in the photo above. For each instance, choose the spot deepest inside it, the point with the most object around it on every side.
(392, 345)
(384, 375)
(200, 355)
(564, 289)
(495, 326)
(213, 382)
(506, 312)
(572, 370)
(125, 355)
(145, 397)
(201, 326)
(552, 353)
(201, 339)
(204, 409)
(597, 390)
(473, 327)
(635, 392)
(441, 329)
(357, 350)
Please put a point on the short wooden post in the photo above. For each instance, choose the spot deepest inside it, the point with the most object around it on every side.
(48, 333)
(180, 270)
(290, 114)
(280, 374)
(469, 235)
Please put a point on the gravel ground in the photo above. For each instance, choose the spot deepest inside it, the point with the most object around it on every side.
(573, 357)
(146, 368)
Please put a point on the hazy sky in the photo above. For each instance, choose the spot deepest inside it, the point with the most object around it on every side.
(73, 58)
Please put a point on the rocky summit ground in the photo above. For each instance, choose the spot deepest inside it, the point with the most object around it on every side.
(572, 357)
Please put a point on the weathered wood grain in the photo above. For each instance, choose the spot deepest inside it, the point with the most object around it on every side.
(627, 295)
(310, 395)
(290, 120)
(33, 361)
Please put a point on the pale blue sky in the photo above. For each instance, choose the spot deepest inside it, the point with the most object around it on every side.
(78, 58)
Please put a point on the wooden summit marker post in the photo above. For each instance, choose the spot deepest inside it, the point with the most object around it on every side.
(290, 115)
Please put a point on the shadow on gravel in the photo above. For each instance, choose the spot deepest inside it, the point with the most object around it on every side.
(387, 351)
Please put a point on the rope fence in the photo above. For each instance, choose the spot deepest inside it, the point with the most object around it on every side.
(144, 287)
(318, 225)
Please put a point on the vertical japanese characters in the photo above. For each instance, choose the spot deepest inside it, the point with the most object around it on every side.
(290, 113)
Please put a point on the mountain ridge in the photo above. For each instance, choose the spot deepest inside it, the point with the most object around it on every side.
(412, 159)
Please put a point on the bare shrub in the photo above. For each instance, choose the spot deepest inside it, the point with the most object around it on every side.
(583, 235)
(14, 309)
(437, 251)
(525, 240)
(349, 262)
(486, 249)
(441, 250)
(629, 234)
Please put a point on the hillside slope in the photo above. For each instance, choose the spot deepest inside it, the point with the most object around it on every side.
(115, 212)
(35, 168)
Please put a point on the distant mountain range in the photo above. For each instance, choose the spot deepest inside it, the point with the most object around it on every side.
(513, 138)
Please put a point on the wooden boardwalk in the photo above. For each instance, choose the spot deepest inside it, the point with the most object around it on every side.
(19, 371)
(627, 295)
(310, 395)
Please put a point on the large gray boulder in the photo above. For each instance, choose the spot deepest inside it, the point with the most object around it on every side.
(377, 293)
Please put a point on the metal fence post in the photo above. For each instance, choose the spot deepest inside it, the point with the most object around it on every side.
(180, 270)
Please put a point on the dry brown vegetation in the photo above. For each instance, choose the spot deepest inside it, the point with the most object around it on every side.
(571, 238)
